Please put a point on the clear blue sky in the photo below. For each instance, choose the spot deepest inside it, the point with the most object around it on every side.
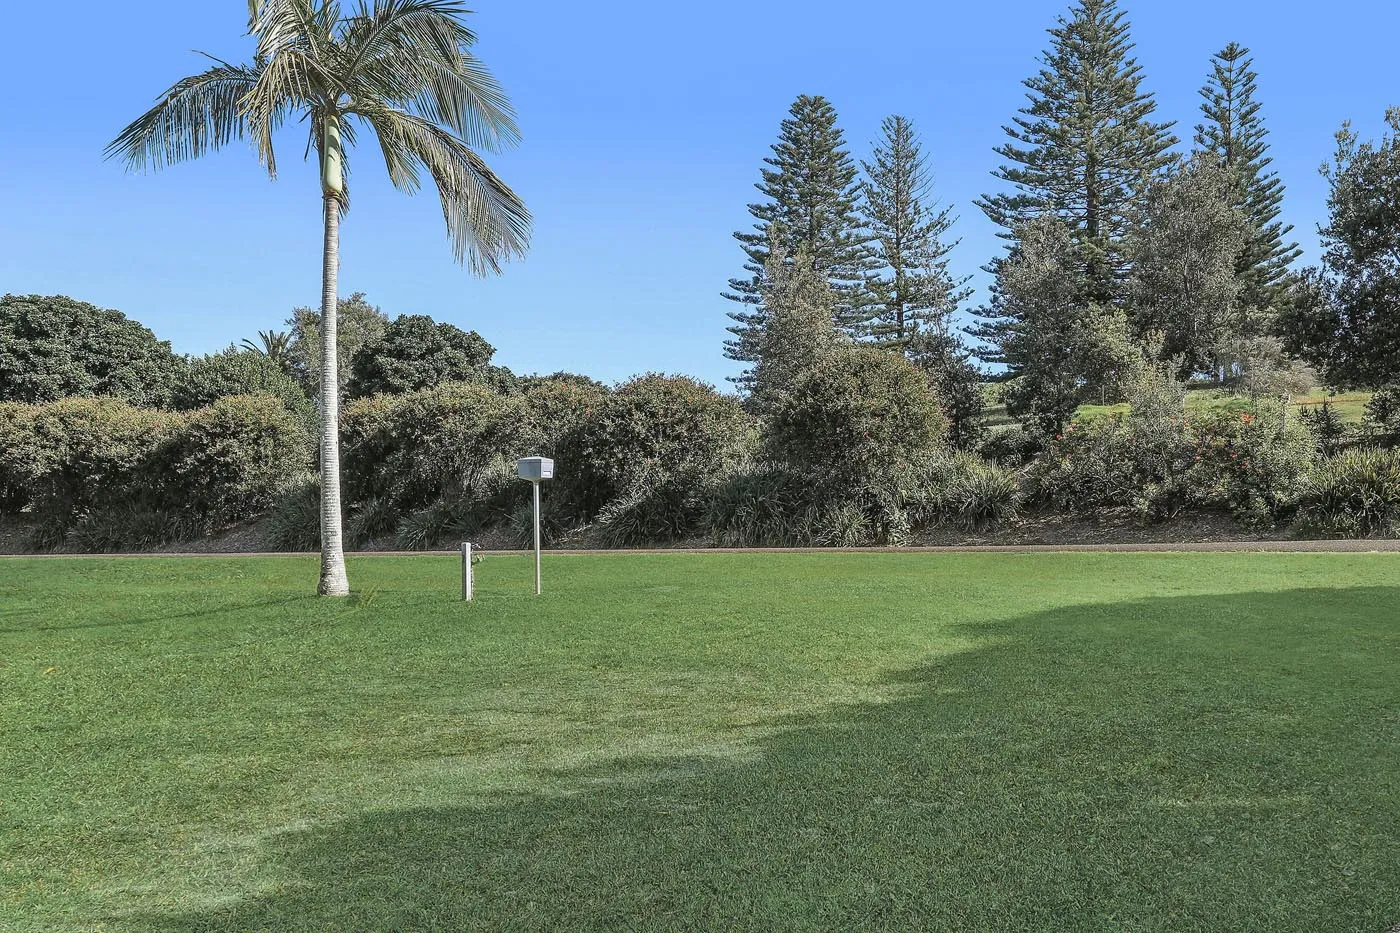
(644, 123)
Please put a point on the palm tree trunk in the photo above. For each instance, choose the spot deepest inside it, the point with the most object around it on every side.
(333, 579)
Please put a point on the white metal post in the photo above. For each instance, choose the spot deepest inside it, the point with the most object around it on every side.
(537, 537)
(467, 571)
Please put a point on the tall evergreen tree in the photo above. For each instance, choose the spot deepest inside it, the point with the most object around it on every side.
(914, 288)
(1086, 146)
(811, 193)
(1234, 131)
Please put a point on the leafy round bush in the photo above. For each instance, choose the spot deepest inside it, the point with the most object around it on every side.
(1254, 463)
(857, 420)
(1354, 494)
(53, 347)
(415, 449)
(242, 372)
(226, 461)
(79, 454)
(415, 352)
(654, 431)
(16, 426)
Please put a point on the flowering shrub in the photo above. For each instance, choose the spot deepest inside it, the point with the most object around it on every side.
(1254, 463)
(1248, 462)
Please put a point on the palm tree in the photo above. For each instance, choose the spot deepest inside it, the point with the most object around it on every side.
(272, 344)
(400, 69)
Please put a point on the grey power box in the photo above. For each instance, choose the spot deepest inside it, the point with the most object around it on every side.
(536, 468)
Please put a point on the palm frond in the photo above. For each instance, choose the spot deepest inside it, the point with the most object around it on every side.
(486, 221)
(199, 114)
(414, 53)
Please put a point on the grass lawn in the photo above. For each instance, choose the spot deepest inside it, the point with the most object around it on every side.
(1349, 406)
(721, 742)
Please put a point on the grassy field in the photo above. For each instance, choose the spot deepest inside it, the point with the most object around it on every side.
(722, 742)
(1349, 406)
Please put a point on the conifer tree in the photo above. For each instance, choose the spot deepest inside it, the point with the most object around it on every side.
(914, 289)
(811, 193)
(1234, 132)
(1086, 145)
(798, 329)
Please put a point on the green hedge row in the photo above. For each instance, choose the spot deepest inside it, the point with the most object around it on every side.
(99, 474)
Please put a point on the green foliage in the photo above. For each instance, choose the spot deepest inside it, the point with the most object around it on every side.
(1058, 349)
(654, 432)
(860, 424)
(1012, 446)
(1382, 415)
(1158, 461)
(811, 196)
(242, 372)
(16, 427)
(913, 289)
(227, 461)
(761, 505)
(797, 330)
(358, 324)
(1354, 494)
(52, 347)
(294, 521)
(1327, 425)
(415, 352)
(956, 381)
(1184, 282)
(1234, 133)
(1084, 147)
(1342, 318)
(416, 449)
(89, 467)
(964, 490)
(1252, 463)
(652, 511)
(86, 454)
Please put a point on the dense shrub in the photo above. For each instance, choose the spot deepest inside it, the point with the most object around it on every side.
(85, 453)
(1326, 425)
(857, 420)
(1382, 418)
(226, 462)
(241, 372)
(1252, 463)
(415, 352)
(437, 463)
(413, 449)
(1353, 494)
(294, 521)
(16, 426)
(94, 467)
(1246, 461)
(54, 347)
(963, 490)
(761, 505)
(653, 433)
(1013, 446)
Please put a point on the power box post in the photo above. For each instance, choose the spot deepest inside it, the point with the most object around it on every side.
(536, 470)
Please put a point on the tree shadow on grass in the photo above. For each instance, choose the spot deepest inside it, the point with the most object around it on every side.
(1202, 763)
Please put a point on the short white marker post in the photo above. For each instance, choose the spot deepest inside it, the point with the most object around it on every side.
(536, 470)
(467, 583)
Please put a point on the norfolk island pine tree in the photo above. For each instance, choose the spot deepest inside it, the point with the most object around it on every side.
(402, 69)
